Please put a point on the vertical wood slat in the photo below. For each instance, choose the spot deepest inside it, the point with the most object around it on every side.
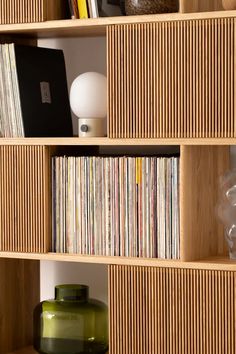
(178, 78)
(24, 199)
(171, 310)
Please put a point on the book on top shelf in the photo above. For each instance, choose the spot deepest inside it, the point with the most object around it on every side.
(83, 9)
(33, 92)
(80, 9)
(74, 9)
(93, 8)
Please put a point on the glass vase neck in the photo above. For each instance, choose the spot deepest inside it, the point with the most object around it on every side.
(72, 292)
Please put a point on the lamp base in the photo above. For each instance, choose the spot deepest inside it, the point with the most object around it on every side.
(91, 127)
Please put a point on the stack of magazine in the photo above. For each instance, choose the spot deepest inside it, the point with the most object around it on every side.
(11, 124)
(116, 206)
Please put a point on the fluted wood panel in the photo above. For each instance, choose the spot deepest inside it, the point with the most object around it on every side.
(174, 311)
(24, 198)
(172, 79)
(23, 11)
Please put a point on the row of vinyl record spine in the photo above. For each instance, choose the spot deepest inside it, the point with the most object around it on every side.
(121, 206)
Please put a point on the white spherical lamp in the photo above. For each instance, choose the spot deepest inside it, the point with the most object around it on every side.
(88, 101)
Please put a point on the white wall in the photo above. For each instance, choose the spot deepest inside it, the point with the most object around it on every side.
(53, 273)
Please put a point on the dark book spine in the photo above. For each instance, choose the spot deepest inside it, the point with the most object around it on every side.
(89, 8)
(71, 9)
(75, 8)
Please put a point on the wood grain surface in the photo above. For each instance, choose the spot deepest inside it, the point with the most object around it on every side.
(172, 79)
(201, 233)
(25, 198)
(200, 5)
(28, 11)
(19, 280)
(164, 311)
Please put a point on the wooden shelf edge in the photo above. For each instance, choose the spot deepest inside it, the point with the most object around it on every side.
(116, 142)
(215, 263)
(65, 28)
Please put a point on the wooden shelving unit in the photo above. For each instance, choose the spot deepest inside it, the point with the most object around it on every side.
(156, 306)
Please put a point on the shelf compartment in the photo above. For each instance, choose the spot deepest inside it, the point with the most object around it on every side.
(97, 27)
(201, 234)
(25, 199)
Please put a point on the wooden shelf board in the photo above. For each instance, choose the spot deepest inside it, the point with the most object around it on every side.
(97, 27)
(217, 263)
(116, 142)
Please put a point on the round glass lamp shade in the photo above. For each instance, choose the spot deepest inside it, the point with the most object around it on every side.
(88, 101)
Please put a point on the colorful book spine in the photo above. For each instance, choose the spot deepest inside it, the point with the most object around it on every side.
(75, 10)
(93, 8)
(83, 10)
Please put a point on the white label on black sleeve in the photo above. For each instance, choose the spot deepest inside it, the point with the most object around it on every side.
(45, 92)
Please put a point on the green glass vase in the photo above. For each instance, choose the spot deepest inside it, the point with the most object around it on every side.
(71, 324)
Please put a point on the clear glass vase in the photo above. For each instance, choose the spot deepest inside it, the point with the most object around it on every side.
(71, 323)
(141, 7)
